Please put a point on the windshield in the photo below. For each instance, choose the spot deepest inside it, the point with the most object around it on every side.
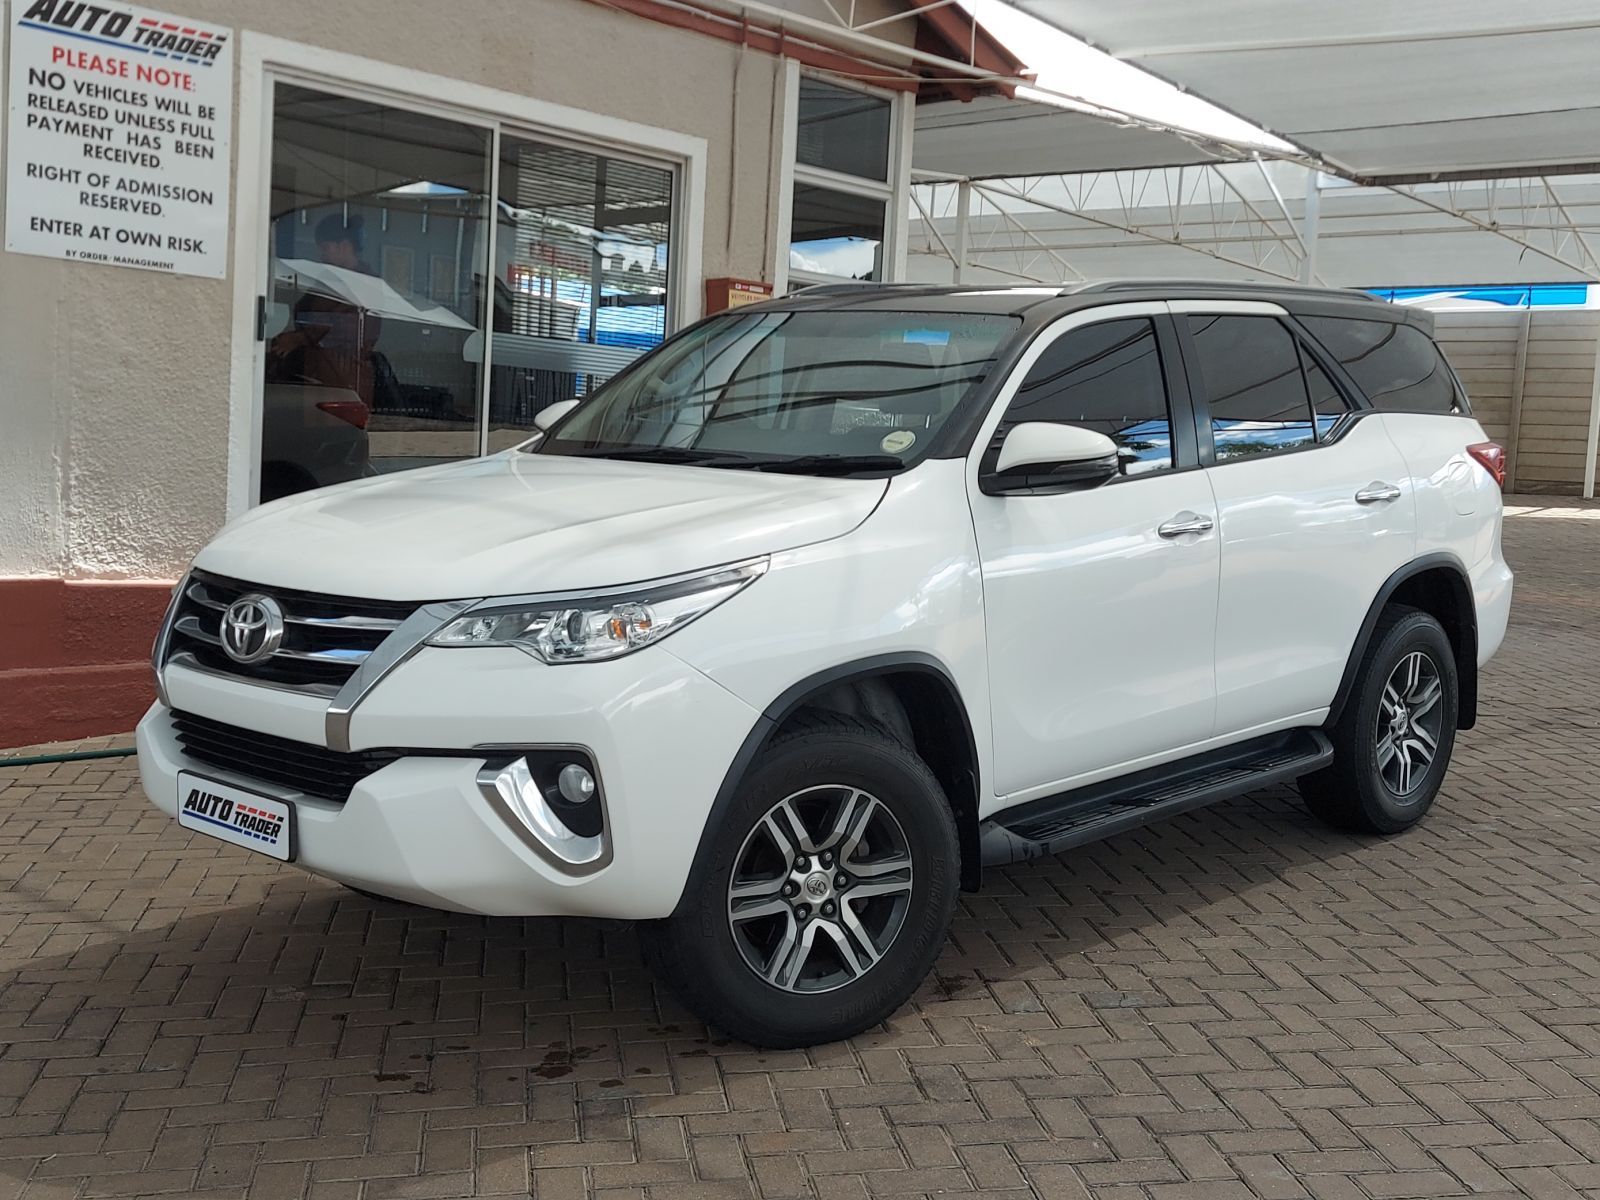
(817, 391)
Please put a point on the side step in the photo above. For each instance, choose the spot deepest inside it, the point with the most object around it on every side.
(1114, 806)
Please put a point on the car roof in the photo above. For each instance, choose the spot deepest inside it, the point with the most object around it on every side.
(1038, 302)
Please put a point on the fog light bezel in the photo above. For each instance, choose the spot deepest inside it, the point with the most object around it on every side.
(528, 811)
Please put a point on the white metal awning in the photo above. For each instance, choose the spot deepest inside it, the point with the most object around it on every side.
(1381, 90)
(994, 137)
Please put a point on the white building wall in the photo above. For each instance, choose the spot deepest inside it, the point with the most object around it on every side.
(114, 383)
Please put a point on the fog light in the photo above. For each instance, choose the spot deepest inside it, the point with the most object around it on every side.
(575, 784)
(560, 817)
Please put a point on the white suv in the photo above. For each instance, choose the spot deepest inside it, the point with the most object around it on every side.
(783, 634)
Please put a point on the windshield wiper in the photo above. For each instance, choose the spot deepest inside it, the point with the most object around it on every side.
(830, 464)
(669, 454)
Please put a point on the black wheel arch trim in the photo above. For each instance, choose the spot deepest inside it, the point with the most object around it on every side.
(1466, 650)
(792, 698)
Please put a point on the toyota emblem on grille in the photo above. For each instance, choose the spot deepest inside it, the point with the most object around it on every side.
(252, 628)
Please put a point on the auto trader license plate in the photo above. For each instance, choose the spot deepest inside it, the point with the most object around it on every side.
(235, 815)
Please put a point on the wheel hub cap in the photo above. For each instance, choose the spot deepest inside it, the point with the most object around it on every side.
(820, 889)
(1410, 721)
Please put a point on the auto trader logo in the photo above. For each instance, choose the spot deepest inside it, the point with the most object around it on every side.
(117, 27)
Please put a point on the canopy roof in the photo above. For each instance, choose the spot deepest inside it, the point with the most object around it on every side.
(995, 137)
(1381, 91)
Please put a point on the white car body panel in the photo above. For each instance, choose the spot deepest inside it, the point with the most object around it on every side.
(1459, 511)
(1302, 560)
(515, 523)
(906, 584)
(1081, 587)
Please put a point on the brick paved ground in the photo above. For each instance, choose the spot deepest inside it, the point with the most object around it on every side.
(1237, 1004)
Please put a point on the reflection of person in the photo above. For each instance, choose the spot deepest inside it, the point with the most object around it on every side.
(332, 342)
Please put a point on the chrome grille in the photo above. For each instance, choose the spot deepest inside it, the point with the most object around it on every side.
(325, 637)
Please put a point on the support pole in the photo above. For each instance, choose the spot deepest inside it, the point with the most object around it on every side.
(963, 220)
(1308, 227)
(1518, 380)
(1593, 444)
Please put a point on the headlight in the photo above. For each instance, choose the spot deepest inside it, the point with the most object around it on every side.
(589, 629)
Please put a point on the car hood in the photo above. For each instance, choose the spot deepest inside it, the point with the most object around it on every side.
(516, 523)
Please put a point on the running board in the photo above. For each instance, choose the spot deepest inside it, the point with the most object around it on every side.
(1114, 806)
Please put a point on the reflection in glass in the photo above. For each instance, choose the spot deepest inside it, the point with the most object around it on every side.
(1253, 383)
(842, 130)
(1327, 401)
(581, 276)
(366, 360)
(800, 390)
(1398, 366)
(835, 233)
(1106, 377)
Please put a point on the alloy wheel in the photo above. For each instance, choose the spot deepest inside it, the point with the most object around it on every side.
(820, 889)
(1410, 720)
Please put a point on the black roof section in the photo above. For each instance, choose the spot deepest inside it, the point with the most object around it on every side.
(1043, 302)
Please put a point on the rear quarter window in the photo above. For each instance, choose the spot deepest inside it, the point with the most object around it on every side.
(1397, 366)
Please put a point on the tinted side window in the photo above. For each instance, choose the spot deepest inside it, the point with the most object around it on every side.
(1327, 402)
(1397, 366)
(1105, 377)
(1250, 369)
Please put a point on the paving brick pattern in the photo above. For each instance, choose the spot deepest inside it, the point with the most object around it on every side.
(1237, 1004)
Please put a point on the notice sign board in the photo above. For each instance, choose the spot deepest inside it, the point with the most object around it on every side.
(117, 148)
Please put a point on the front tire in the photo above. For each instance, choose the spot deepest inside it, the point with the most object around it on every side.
(825, 894)
(1392, 743)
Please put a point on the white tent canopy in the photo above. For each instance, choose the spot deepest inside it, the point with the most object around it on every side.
(994, 138)
(1380, 90)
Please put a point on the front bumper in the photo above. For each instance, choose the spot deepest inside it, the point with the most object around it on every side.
(661, 734)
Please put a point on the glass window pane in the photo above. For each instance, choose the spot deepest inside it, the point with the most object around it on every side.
(1105, 377)
(378, 236)
(581, 279)
(785, 384)
(1251, 370)
(1327, 401)
(1397, 366)
(842, 130)
(835, 233)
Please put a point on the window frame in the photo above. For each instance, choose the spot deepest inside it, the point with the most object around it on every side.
(891, 190)
(1355, 404)
(1461, 403)
(985, 450)
(266, 60)
(1200, 401)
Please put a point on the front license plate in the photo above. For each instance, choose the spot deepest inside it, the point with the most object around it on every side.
(235, 815)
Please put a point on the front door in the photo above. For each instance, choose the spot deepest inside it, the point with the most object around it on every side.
(1100, 612)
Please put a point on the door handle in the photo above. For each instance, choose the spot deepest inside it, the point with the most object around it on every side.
(1185, 522)
(1377, 492)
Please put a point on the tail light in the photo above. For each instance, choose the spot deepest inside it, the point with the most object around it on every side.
(353, 411)
(1492, 457)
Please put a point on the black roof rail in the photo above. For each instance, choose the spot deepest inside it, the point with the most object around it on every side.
(854, 285)
(1217, 285)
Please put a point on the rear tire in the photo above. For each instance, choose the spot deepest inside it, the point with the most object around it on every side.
(1392, 743)
(767, 942)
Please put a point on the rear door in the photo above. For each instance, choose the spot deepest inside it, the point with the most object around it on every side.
(1100, 612)
(1314, 503)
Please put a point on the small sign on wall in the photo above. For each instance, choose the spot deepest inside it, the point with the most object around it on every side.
(117, 147)
(731, 293)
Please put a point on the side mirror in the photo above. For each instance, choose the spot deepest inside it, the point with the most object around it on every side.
(1042, 457)
(551, 413)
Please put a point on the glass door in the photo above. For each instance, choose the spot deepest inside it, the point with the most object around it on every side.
(581, 285)
(374, 313)
(407, 320)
